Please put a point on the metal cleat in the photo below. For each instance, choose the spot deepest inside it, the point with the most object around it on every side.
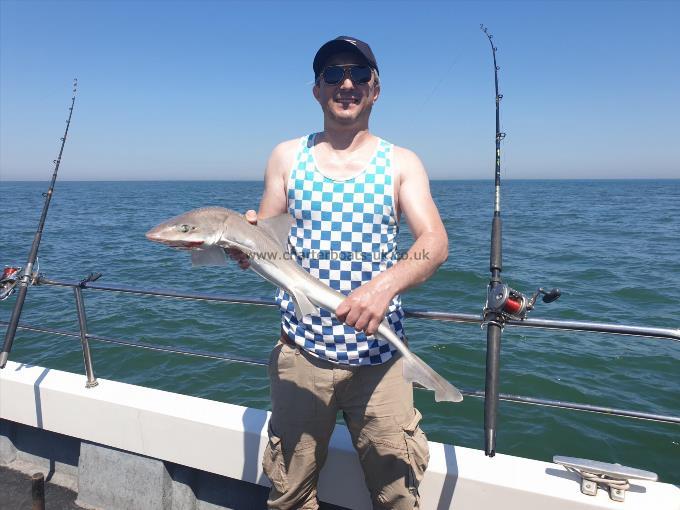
(588, 487)
(614, 477)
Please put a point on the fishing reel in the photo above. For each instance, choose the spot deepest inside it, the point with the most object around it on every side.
(8, 281)
(508, 303)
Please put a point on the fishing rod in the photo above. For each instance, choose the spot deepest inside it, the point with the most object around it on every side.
(27, 275)
(502, 302)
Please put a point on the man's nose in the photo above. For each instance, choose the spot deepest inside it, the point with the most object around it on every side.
(347, 83)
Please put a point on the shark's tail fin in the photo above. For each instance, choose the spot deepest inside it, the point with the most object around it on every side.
(416, 370)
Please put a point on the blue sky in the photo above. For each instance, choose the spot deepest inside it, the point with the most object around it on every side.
(204, 90)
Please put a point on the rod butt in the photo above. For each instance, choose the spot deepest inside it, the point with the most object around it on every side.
(490, 442)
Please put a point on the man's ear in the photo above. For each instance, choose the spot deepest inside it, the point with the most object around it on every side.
(376, 92)
(316, 91)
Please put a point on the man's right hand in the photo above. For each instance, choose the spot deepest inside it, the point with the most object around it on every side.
(241, 258)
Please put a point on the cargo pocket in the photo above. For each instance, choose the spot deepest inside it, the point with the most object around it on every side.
(273, 464)
(273, 358)
(418, 451)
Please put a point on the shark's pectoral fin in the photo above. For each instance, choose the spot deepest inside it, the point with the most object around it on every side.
(213, 256)
(303, 306)
(278, 227)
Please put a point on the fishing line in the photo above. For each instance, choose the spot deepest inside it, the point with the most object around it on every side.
(454, 61)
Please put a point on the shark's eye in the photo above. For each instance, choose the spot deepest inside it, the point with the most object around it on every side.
(183, 228)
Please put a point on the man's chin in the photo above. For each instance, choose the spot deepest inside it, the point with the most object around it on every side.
(345, 119)
(346, 116)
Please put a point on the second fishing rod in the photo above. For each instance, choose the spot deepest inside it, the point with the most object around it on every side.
(502, 302)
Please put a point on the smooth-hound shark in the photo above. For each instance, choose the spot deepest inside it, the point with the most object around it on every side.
(208, 231)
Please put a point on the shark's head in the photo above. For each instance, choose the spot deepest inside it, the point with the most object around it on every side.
(197, 229)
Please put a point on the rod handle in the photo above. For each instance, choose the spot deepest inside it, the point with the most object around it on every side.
(13, 323)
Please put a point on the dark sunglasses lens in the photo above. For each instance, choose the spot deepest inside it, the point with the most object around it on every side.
(333, 75)
(361, 74)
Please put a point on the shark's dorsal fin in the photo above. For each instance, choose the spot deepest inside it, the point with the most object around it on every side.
(278, 227)
(303, 306)
(212, 256)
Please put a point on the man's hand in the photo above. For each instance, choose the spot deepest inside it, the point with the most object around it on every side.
(365, 307)
(235, 254)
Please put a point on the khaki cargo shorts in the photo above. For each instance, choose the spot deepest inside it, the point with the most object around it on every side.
(377, 405)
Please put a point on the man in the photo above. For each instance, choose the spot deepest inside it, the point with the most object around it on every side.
(346, 189)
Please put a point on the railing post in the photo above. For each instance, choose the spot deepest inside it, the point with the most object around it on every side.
(38, 491)
(82, 321)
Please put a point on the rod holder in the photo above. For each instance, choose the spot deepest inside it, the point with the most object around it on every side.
(493, 360)
(82, 321)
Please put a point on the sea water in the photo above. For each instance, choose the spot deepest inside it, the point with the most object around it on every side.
(612, 247)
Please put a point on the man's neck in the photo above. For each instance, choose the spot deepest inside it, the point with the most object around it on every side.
(345, 139)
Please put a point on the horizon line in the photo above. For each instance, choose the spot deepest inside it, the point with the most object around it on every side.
(431, 180)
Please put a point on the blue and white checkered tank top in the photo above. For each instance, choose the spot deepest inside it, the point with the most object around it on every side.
(344, 234)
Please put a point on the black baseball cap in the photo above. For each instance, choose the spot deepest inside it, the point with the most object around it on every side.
(340, 44)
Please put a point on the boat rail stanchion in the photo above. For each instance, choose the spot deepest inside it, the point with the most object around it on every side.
(82, 322)
(38, 491)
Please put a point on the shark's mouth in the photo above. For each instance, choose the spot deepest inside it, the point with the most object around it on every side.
(183, 245)
(189, 245)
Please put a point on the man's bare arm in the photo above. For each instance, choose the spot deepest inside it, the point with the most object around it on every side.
(274, 199)
(366, 306)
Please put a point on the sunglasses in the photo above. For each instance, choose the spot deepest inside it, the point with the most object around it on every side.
(359, 75)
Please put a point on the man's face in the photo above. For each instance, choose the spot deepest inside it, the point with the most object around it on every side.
(346, 102)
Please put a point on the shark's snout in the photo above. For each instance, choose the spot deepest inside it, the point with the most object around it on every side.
(160, 234)
(153, 235)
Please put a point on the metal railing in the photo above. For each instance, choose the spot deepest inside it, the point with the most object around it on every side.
(85, 337)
